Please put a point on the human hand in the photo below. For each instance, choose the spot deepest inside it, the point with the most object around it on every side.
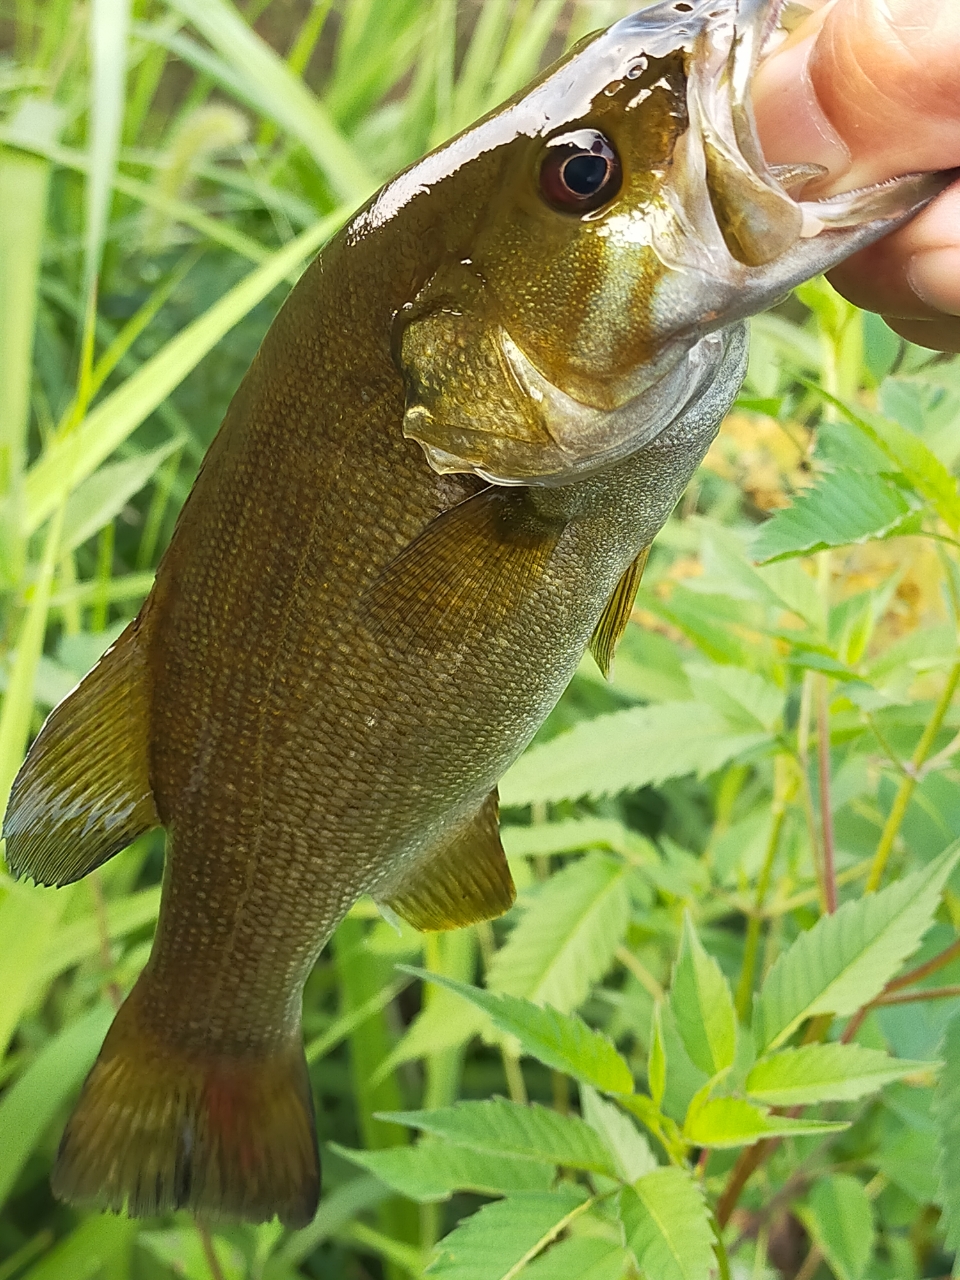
(871, 89)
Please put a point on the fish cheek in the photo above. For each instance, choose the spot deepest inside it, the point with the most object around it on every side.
(463, 401)
(574, 291)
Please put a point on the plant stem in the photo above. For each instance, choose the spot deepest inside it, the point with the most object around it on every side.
(213, 1262)
(755, 922)
(925, 993)
(826, 816)
(747, 1164)
(803, 759)
(641, 973)
(909, 782)
(939, 961)
(811, 1263)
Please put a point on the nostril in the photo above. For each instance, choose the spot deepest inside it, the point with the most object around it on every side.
(683, 8)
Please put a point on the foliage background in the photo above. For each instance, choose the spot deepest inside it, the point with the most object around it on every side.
(779, 735)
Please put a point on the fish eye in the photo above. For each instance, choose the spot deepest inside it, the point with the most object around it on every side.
(580, 172)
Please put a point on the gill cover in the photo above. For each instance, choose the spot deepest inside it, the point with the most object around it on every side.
(556, 342)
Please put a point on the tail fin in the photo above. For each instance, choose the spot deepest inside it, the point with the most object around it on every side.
(158, 1129)
(83, 792)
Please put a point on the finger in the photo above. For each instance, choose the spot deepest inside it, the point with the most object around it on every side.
(938, 335)
(913, 274)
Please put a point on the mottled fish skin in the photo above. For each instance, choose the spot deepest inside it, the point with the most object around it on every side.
(346, 646)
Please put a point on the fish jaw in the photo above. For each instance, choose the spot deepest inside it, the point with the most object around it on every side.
(713, 235)
(742, 235)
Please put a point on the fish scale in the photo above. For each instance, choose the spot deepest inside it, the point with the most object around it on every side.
(435, 487)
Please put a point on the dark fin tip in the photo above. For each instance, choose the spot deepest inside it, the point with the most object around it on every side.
(613, 621)
(83, 792)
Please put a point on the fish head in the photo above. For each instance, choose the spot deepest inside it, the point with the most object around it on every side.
(604, 230)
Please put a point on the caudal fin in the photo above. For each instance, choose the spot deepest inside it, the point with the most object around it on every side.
(83, 792)
(157, 1129)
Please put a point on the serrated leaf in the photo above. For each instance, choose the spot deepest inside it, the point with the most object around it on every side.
(620, 1135)
(667, 1226)
(543, 839)
(746, 700)
(561, 1041)
(495, 1242)
(640, 747)
(846, 959)
(703, 1006)
(657, 1059)
(433, 1171)
(825, 1073)
(731, 1122)
(918, 464)
(946, 1110)
(845, 508)
(839, 1217)
(499, 1127)
(579, 1258)
(568, 935)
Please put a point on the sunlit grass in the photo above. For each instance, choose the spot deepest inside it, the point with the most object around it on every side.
(164, 175)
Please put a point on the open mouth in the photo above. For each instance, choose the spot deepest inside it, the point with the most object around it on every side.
(724, 189)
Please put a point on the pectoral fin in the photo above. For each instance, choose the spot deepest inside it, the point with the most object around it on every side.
(614, 619)
(466, 880)
(465, 573)
(83, 793)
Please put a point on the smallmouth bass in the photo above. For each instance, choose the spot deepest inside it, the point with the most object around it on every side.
(435, 487)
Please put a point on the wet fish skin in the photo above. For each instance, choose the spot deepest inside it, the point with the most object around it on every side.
(353, 632)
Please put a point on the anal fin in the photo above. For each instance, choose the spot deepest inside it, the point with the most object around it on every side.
(613, 621)
(465, 881)
(83, 792)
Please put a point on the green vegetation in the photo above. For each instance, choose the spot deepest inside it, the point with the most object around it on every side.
(717, 1034)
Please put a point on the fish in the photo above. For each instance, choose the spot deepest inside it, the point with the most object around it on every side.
(434, 489)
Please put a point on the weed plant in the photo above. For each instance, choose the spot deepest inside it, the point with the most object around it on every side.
(716, 1036)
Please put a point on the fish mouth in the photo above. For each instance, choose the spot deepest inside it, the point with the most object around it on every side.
(738, 223)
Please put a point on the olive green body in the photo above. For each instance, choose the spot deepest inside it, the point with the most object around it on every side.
(296, 758)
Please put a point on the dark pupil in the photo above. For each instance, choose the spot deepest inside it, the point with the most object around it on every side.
(585, 174)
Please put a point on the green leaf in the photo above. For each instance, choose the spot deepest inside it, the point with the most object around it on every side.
(499, 1127)
(946, 1110)
(544, 839)
(495, 1243)
(561, 1041)
(731, 1122)
(703, 1006)
(280, 94)
(640, 747)
(87, 1252)
(657, 1059)
(36, 1097)
(69, 459)
(580, 1258)
(620, 1135)
(568, 935)
(29, 918)
(825, 1073)
(918, 464)
(846, 507)
(435, 1170)
(839, 1217)
(667, 1226)
(104, 494)
(847, 958)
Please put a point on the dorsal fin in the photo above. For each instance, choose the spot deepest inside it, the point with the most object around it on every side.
(614, 619)
(83, 792)
(466, 880)
(465, 572)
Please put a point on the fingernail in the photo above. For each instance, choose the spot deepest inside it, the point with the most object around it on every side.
(934, 276)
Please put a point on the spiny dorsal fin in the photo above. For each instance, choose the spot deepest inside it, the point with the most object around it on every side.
(83, 792)
(466, 571)
(466, 880)
(614, 619)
